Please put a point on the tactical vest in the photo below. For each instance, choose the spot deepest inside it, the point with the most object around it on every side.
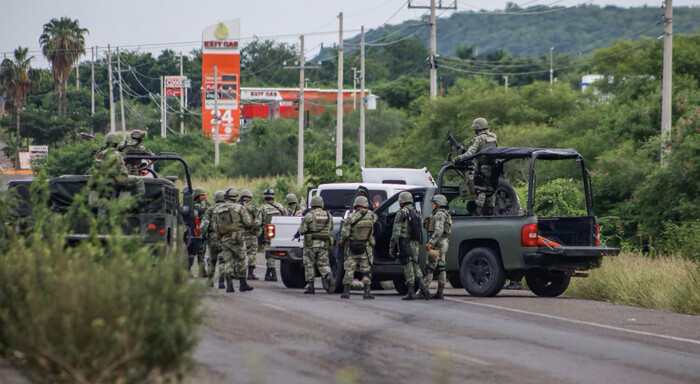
(320, 226)
(490, 140)
(404, 223)
(270, 210)
(229, 218)
(362, 229)
(447, 227)
(251, 208)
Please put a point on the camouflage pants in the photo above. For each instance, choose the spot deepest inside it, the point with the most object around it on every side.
(412, 270)
(351, 262)
(234, 258)
(438, 265)
(251, 247)
(270, 262)
(214, 256)
(315, 256)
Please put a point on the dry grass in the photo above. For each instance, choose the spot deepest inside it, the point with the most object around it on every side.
(668, 283)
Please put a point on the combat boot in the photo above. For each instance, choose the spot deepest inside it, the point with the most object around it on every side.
(310, 289)
(244, 287)
(425, 292)
(251, 273)
(330, 280)
(410, 295)
(438, 295)
(367, 294)
(273, 275)
(229, 284)
(346, 292)
(221, 281)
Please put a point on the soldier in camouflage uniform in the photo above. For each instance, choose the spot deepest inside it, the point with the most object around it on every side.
(134, 147)
(357, 238)
(484, 189)
(250, 234)
(316, 227)
(109, 162)
(230, 218)
(201, 207)
(400, 233)
(293, 207)
(439, 227)
(265, 214)
(209, 233)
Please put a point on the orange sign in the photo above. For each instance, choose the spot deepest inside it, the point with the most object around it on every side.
(220, 49)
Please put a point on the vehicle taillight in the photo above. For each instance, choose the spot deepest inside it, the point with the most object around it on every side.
(597, 234)
(152, 227)
(528, 235)
(197, 220)
(270, 231)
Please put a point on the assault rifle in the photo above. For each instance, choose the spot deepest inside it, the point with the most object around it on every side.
(455, 143)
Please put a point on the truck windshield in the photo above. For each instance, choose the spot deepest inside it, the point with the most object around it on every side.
(341, 199)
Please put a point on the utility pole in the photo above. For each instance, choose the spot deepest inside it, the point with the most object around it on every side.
(162, 110)
(339, 112)
(112, 126)
(121, 94)
(362, 96)
(432, 61)
(216, 117)
(92, 90)
(354, 86)
(182, 100)
(551, 70)
(300, 147)
(506, 79)
(666, 90)
(77, 75)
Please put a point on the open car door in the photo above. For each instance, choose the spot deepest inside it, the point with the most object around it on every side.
(386, 213)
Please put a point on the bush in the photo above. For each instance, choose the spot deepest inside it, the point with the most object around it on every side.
(93, 312)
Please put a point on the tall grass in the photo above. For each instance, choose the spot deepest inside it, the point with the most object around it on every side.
(668, 283)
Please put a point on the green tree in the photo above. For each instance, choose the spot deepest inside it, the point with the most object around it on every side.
(16, 79)
(62, 43)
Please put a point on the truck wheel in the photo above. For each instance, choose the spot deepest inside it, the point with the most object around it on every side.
(455, 280)
(547, 283)
(292, 274)
(481, 273)
(337, 265)
(400, 285)
(506, 200)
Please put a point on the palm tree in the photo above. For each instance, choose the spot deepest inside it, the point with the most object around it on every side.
(62, 43)
(16, 79)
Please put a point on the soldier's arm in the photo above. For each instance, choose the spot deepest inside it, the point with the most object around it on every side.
(345, 231)
(398, 220)
(304, 227)
(439, 228)
(245, 217)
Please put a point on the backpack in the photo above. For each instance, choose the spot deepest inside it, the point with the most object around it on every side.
(415, 226)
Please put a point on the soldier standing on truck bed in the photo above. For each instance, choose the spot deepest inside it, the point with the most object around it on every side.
(355, 237)
(250, 234)
(230, 218)
(209, 233)
(265, 213)
(109, 162)
(439, 227)
(481, 179)
(316, 227)
(201, 206)
(405, 239)
(134, 147)
(293, 207)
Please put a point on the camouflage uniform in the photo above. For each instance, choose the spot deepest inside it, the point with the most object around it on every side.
(358, 228)
(209, 232)
(134, 147)
(109, 162)
(411, 270)
(230, 219)
(483, 139)
(265, 214)
(250, 234)
(316, 226)
(294, 210)
(439, 227)
(202, 207)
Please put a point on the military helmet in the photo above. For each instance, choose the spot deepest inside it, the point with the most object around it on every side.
(361, 201)
(291, 199)
(317, 201)
(138, 134)
(185, 190)
(269, 193)
(440, 200)
(219, 196)
(480, 124)
(246, 193)
(405, 197)
(199, 191)
(231, 193)
(113, 138)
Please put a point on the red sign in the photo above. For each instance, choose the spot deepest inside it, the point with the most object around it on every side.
(172, 92)
(227, 85)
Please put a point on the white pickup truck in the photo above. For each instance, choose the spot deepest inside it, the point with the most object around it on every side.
(378, 185)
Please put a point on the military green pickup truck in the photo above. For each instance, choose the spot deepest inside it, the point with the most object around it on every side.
(547, 240)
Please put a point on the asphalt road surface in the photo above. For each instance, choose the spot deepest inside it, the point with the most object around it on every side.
(279, 335)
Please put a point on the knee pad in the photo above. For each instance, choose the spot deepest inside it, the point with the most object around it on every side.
(440, 266)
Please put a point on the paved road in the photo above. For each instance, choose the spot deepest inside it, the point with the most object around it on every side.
(279, 335)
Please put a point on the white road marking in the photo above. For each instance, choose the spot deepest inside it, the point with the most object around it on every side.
(578, 321)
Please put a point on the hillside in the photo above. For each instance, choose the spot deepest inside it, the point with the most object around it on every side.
(533, 30)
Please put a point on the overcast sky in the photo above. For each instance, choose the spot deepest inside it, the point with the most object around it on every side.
(152, 25)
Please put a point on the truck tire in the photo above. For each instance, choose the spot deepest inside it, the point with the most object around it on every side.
(336, 261)
(547, 283)
(506, 200)
(292, 274)
(455, 280)
(400, 285)
(481, 273)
